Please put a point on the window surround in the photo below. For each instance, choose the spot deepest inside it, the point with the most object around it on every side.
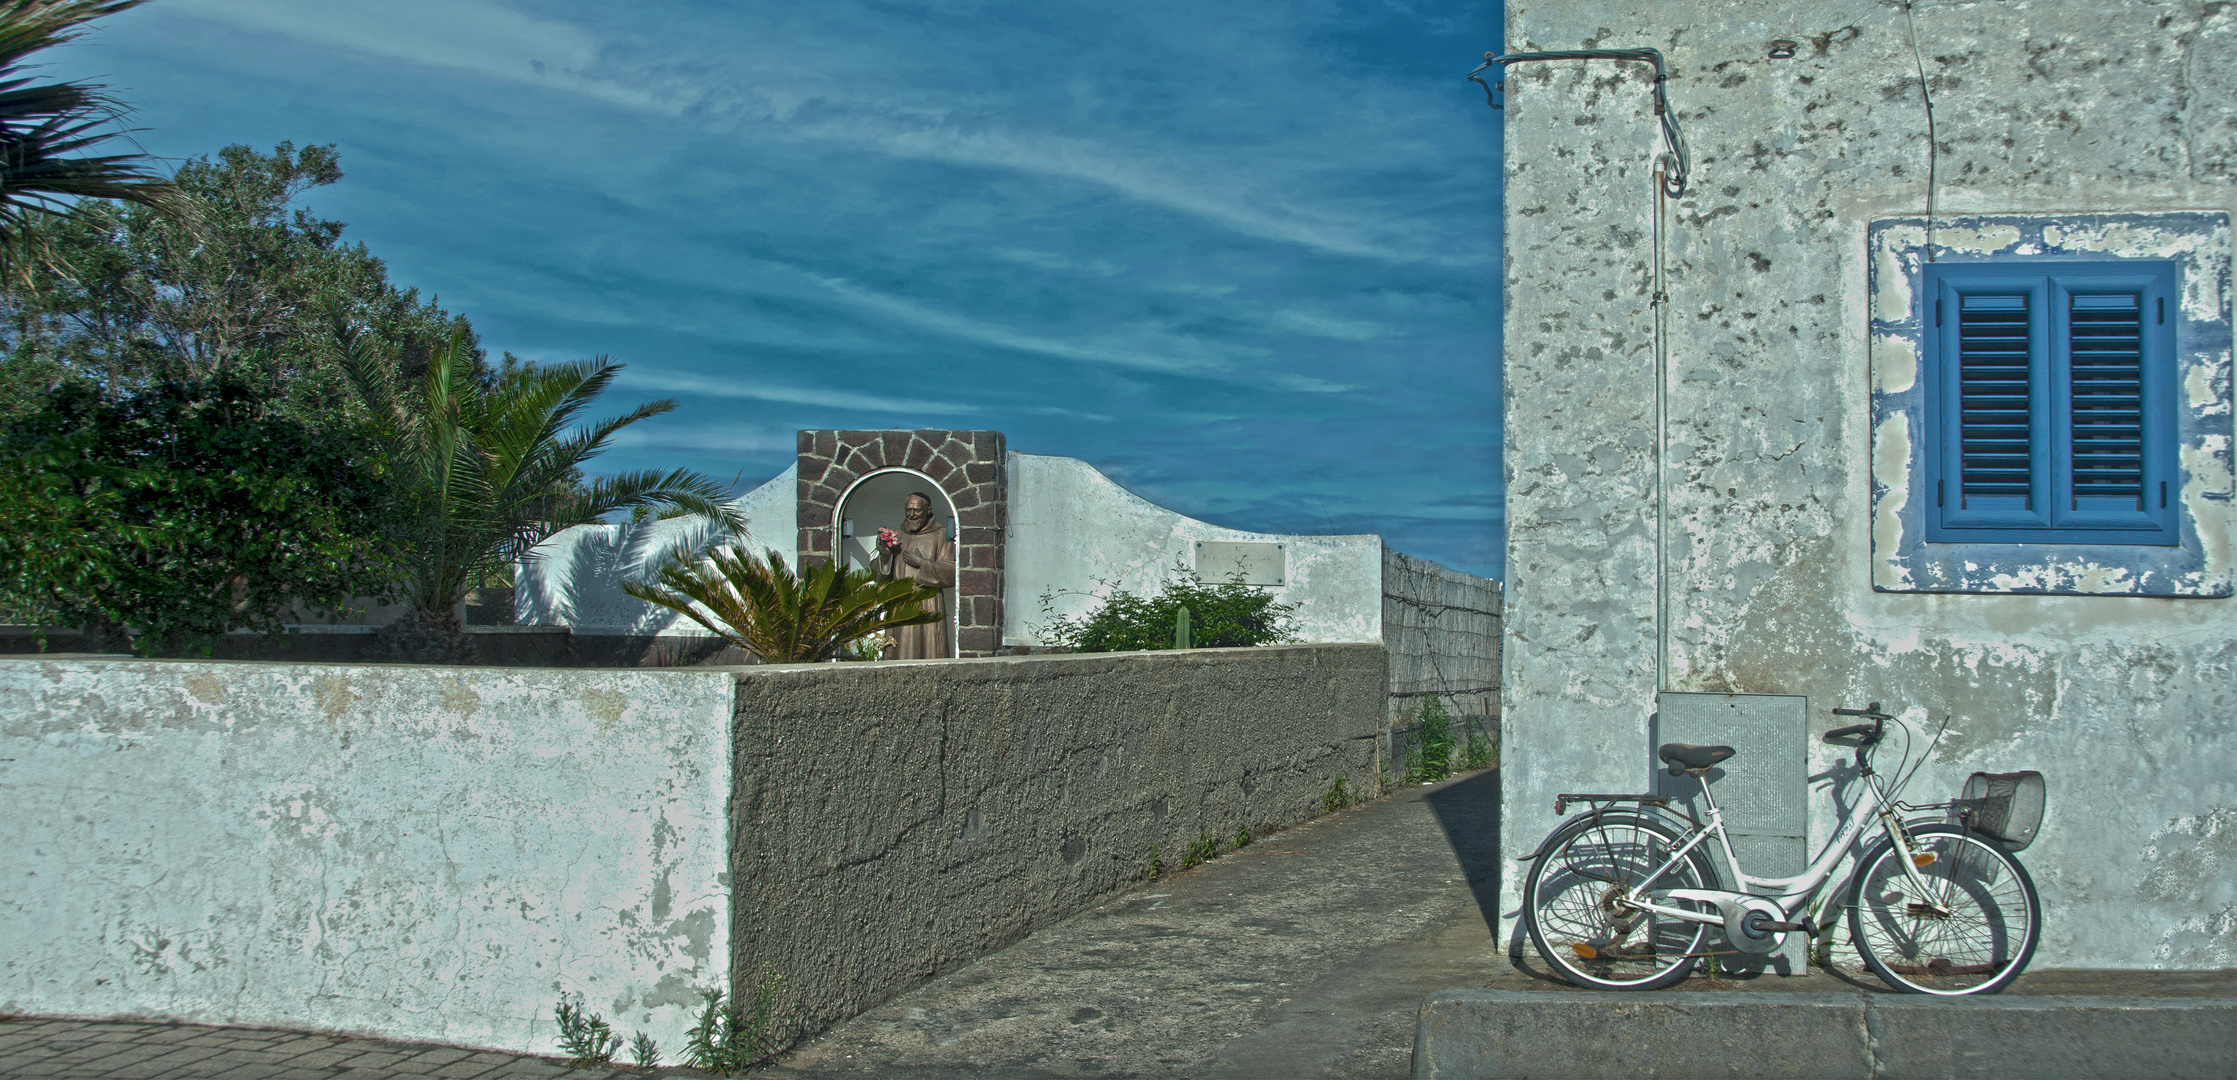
(1913, 550)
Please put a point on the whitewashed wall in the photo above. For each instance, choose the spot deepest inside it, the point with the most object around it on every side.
(1779, 354)
(575, 578)
(418, 853)
(1076, 536)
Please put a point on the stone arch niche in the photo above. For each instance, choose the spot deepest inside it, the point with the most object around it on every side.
(968, 468)
(876, 502)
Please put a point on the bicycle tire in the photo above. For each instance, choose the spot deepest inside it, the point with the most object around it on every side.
(1959, 938)
(1586, 939)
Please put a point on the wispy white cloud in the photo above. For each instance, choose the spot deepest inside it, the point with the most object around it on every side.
(1168, 354)
(706, 438)
(661, 380)
(1308, 384)
(1049, 260)
(1322, 324)
(1228, 188)
(472, 36)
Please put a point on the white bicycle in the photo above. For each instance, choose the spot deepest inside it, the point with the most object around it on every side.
(1626, 896)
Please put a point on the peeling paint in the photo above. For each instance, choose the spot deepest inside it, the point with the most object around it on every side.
(1803, 571)
(397, 882)
(2199, 244)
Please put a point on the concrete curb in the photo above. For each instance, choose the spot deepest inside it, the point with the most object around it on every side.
(1509, 1033)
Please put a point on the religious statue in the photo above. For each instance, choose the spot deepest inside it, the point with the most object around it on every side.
(921, 552)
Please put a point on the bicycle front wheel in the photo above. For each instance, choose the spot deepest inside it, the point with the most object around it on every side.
(1967, 924)
(1572, 909)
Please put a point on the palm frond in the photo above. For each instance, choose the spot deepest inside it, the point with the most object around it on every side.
(760, 605)
(44, 127)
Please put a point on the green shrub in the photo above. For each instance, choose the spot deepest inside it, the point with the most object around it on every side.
(1431, 760)
(1480, 751)
(1217, 616)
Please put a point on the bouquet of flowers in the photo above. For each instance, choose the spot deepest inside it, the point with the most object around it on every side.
(889, 538)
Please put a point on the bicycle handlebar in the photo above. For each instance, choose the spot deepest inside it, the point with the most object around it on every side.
(1870, 732)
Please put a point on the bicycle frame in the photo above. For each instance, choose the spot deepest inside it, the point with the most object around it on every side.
(1789, 894)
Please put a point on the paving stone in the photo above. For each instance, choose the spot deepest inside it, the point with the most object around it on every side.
(441, 1056)
(248, 1072)
(468, 1069)
(326, 1057)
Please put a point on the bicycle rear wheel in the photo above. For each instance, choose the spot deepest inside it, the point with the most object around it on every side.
(1970, 930)
(1570, 909)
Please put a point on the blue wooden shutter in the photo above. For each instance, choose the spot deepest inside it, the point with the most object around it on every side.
(1996, 430)
(2106, 401)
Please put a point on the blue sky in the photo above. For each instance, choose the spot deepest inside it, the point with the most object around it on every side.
(1241, 257)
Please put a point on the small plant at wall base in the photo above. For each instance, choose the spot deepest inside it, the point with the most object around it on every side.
(1480, 751)
(644, 1051)
(1156, 864)
(1202, 850)
(1242, 838)
(1339, 796)
(1186, 614)
(1433, 743)
(726, 1039)
(585, 1038)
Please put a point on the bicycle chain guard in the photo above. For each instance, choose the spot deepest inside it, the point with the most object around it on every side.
(1743, 916)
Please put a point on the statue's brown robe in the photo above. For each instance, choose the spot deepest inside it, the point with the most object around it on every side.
(934, 555)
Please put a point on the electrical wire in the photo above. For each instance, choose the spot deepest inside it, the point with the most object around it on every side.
(1671, 169)
(1674, 184)
(1661, 305)
(1932, 151)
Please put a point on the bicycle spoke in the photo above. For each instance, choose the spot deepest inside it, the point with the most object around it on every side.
(1965, 930)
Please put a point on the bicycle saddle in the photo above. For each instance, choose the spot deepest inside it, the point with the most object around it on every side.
(1680, 756)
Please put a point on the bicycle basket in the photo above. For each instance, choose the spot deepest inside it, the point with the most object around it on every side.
(2006, 806)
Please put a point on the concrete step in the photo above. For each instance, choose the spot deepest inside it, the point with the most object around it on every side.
(1506, 1033)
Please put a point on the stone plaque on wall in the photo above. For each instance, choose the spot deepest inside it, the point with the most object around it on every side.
(1257, 563)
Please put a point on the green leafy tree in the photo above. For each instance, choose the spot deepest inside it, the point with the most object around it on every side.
(181, 512)
(46, 127)
(482, 469)
(758, 604)
(234, 279)
(1222, 615)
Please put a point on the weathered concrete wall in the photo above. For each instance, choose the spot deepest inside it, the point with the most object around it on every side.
(2126, 703)
(419, 853)
(897, 820)
(575, 579)
(1075, 536)
(1441, 628)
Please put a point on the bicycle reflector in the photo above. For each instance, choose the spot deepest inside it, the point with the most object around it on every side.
(2006, 806)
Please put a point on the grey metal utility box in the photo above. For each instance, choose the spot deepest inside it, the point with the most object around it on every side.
(1764, 788)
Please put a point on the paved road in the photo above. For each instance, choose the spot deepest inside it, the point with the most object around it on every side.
(35, 1049)
(1306, 954)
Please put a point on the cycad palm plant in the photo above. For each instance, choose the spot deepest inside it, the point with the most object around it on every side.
(758, 604)
(484, 470)
(43, 126)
